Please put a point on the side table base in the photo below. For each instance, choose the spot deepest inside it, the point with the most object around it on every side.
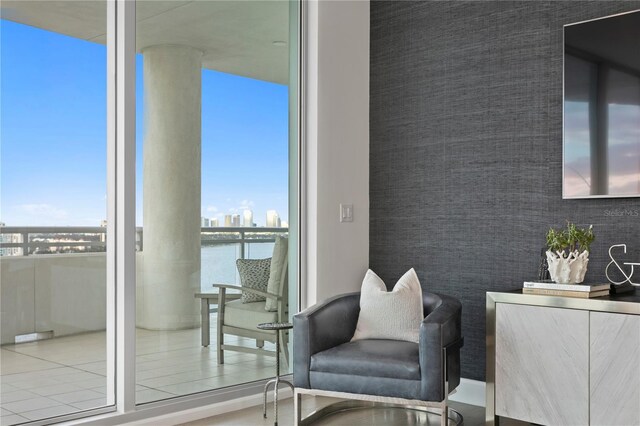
(276, 382)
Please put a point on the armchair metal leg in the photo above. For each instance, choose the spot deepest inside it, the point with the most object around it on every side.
(297, 408)
(444, 417)
(425, 412)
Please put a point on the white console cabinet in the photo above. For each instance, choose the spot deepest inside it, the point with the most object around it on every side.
(615, 369)
(563, 361)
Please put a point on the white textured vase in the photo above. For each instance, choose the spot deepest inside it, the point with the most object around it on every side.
(567, 268)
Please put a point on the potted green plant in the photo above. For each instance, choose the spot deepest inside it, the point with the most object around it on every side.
(568, 253)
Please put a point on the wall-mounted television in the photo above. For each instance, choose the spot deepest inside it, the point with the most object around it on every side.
(602, 107)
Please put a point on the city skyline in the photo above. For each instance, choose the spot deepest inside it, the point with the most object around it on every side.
(246, 220)
(57, 117)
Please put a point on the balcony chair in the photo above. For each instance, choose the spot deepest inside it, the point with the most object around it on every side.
(242, 319)
(376, 372)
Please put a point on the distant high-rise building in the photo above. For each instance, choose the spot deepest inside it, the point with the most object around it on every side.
(284, 224)
(205, 222)
(247, 217)
(103, 237)
(214, 222)
(10, 238)
(273, 220)
(227, 220)
(4, 239)
(235, 220)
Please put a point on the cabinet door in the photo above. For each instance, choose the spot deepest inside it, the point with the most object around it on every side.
(542, 364)
(615, 374)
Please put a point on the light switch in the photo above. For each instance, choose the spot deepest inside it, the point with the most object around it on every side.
(346, 212)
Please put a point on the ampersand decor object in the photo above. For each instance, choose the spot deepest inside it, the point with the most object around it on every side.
(622, 271)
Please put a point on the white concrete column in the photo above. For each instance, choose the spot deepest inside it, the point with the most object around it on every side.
(171, 188)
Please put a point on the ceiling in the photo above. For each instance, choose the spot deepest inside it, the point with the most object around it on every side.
(237, 37)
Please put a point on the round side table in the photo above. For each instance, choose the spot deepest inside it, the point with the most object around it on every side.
(277, 327)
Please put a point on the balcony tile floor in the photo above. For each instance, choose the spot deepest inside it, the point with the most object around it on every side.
(68, 374)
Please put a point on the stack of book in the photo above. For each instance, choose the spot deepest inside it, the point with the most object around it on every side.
(549, 288)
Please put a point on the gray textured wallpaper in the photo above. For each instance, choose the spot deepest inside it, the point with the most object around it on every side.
(466, 149)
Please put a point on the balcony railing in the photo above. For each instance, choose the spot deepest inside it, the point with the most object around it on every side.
(33, 240)
(38, 288)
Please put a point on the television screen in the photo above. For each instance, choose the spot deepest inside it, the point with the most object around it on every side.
(602, 107)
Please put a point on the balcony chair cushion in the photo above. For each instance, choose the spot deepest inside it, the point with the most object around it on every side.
(393, 315)
(247, 315)
(280, 250)
(254, 273)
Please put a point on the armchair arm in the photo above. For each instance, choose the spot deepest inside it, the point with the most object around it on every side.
(320, 327)
(224, 287)
(440, 331)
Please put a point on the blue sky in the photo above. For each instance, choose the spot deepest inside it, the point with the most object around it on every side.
(53, 135)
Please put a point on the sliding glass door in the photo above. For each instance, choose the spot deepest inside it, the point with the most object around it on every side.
(213, 84)
(149, 156)
(205, 188)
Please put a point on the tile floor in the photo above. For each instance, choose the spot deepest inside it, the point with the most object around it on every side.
(68, 374)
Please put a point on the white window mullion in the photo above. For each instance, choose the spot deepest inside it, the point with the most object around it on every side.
(111, 201)
(125, 262)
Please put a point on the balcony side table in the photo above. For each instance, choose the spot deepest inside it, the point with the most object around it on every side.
(277, 327)
(206, 300)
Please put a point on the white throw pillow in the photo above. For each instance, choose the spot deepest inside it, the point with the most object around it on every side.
(393, 315)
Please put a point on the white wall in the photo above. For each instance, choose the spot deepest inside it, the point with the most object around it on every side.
(337, 147)
(337, 155)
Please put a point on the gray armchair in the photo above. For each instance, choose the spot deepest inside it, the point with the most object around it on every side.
(327, 363)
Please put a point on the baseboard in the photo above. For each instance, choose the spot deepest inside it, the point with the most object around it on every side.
(470, 392)
(213, 409)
